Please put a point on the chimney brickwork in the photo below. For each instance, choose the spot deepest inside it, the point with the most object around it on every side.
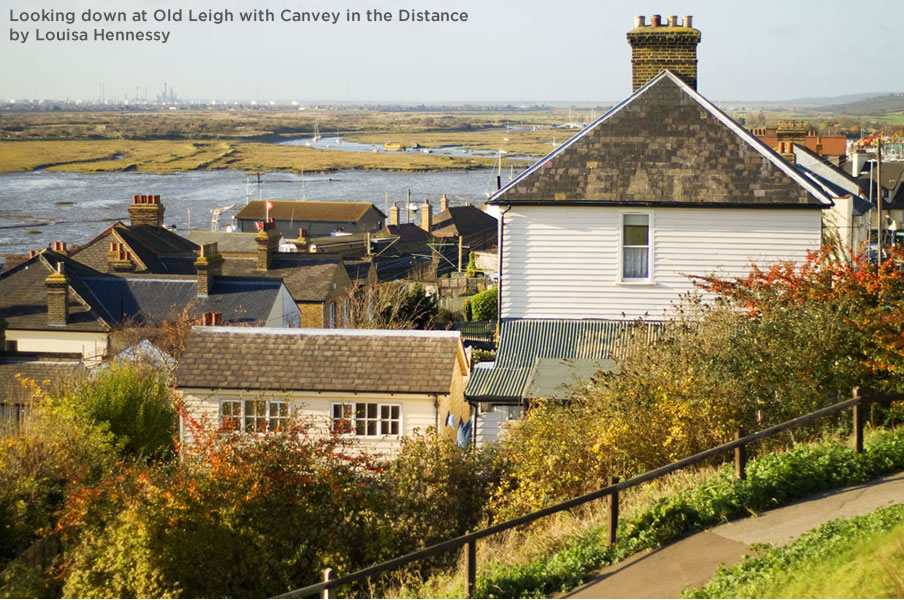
(119, 260)
(208, 266)
(267, 243)
(146, 210)
(657, 47)
(426, 216)
(57, 297)
(394, 214)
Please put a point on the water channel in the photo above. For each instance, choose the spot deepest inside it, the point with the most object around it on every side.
(40, 207)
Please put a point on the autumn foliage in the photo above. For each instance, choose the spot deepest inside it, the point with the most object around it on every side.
(742, 354)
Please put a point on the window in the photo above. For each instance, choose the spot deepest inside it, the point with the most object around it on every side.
(635, 246)
(348, 312)
(254, 416)
(367, 418)
(332, 315)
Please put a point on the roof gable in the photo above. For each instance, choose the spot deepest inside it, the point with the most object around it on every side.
(664, 145)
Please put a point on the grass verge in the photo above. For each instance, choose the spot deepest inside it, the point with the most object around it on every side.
(858, 558)
(560, 553)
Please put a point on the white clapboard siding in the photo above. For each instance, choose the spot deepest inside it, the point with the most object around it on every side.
(563, 262)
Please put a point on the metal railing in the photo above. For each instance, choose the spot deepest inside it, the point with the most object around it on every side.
(612, 490)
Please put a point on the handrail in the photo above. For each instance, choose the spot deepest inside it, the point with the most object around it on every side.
(470, 538)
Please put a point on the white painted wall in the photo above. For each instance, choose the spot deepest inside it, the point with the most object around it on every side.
(418, 412)
(92, 346)
(564, 262)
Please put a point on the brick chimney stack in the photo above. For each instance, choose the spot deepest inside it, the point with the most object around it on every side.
(146, 210)
(267, 243)
(426, 216)
(443, 204)
(119, 260)
(656, 47)
(57, 297)
(394, 214)
(209, 266)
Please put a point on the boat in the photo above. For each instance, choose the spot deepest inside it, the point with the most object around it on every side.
(316, 136)
(394, 146)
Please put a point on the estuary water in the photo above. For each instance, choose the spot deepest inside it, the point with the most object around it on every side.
(40, 207)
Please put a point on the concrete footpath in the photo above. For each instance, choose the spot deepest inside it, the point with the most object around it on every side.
(692, 561)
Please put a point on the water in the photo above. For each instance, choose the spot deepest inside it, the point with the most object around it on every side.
(40, 207)
(337, 143)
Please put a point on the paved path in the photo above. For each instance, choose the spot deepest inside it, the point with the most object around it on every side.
(693, 560)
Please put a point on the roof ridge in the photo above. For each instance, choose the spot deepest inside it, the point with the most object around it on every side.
(293, 331)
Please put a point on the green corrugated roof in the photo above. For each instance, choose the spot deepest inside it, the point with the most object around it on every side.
(522, 341)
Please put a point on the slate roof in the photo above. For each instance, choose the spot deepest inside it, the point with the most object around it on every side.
(462, 220)
(228, 242)
(523, 341)
(306, 210)
(308, 278)
(155, 298)
(407, 232)
(41, 370)
(665, 145)
(348, 360)
(23, 296)
(157, 250)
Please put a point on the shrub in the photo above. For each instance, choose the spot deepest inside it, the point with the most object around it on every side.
(275, 511)
(133, 400)
(485, 305)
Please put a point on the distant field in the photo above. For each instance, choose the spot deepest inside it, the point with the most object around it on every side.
(168, 141)
(163, 156)
(180, 140)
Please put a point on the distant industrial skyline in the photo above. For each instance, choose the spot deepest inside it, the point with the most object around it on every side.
(506, 52)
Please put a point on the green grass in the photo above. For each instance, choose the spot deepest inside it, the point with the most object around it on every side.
(654, 520)
(858, 558)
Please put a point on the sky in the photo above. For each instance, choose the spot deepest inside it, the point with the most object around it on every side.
(507, 51)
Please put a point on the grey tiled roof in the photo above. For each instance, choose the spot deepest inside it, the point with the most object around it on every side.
(664, 145)
(307, 277)
(23, 296)
(319, 360)
(463, 220)
(53, 372)
(239, 300)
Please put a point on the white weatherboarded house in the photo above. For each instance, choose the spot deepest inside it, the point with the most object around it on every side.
(664, 185)
(375, 385)
(609, 227)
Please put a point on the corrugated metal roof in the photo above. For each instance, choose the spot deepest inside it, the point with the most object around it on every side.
(522, 341)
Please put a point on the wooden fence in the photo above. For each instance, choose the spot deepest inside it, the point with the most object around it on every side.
(612, 490)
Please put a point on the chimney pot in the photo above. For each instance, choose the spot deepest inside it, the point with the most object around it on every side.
(640, 21)
(688, 21)
(655, 20)
(673, 21)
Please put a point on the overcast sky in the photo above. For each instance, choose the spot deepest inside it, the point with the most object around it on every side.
(507, 51)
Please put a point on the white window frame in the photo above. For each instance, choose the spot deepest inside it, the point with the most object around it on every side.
(650, 278)
(332, 311)
(275, 414)
(381, 419)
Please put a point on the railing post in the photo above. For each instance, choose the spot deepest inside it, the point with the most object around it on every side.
(740, 457)
(325, 594)
(858, 424)
(472, 568)
(613, 511)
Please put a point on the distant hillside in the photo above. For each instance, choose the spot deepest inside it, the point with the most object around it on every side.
(878, 105)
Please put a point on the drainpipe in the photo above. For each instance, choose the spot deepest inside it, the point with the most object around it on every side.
(499, 286)
(436, 413)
